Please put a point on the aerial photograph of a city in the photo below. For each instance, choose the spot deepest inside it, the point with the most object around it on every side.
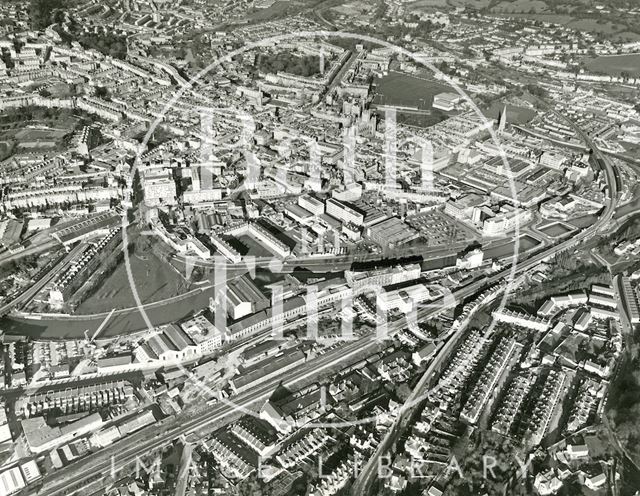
(320, 247)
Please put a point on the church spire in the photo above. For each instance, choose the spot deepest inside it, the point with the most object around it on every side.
(502, 120)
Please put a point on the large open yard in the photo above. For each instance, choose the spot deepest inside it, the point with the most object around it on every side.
(127, 322)
(408, 91)
(154, 280)
(506, 249)
(556, 229)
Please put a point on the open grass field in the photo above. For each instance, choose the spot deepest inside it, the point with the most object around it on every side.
(611, 24)
(35, 130)
(615, 64)
(427, 4)
(520, 6)
(32, 134)
(357, 8)
(154, 280)
(278, 9)
(408, 91)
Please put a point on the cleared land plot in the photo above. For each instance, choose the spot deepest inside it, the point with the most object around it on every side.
(506, 250)
(154, 281)
(556, 230)
(248, 245)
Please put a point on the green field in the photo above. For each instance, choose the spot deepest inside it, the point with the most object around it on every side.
(43, 133)
(407, 91)
(520, 6)
(154, 280)
(275, 11)
(615, 65)
(37, 128)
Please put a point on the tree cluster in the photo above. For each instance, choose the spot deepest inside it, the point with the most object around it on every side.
(306, 66)
(106, 43)
(536, 90)
(138, 192)
(45, 12)
(624, 402)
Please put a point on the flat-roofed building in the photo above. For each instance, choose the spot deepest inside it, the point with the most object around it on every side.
(298, 213)
(311, 204)
(514, 167)
(506, 221)
(404, 299)
(5, 433)
(446, 101)
(11, 481)
(343, 212)
(159, 187)
(259, 321)
(464, 207)
(553, 160)
(361, 280)
(30, 471)
(208, 337)
(41, 437)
